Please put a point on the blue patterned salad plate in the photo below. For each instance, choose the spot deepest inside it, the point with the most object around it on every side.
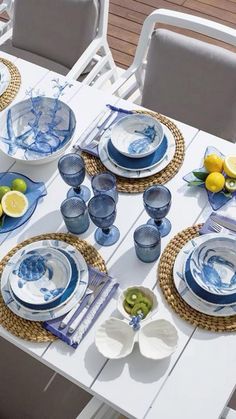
(40, 275)
(77, 285)
(37, 130)
(35, 190)
(137, 135)
(213, 265)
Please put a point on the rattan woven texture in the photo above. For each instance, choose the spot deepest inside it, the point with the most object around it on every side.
(94, 165)
(166, 283)
(33, 331)
(9, 95)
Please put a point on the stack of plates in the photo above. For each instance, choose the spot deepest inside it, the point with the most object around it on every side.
(205, 274)
(136, 146)
(44, 280)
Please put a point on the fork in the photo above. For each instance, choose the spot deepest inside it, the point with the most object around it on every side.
(213, 225)
(94, 284)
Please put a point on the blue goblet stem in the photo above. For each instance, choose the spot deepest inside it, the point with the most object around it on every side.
(106, 230)
(77, 190)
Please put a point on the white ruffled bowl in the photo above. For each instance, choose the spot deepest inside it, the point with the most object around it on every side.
(147, 292)
(158, 339)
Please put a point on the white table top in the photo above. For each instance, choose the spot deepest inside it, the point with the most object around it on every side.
(203, 367)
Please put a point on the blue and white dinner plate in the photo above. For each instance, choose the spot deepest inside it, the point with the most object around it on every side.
(188, 296)
(71, 299)
(137, 173)
(37, 130)
(137, 164)
(40, 274)
(213, 266)
(137, 135)
(5, 78)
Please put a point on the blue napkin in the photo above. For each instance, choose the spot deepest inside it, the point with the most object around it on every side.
(227, 223)
(86, 141)
(93, 311)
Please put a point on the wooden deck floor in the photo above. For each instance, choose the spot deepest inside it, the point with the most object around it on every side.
(126, 18)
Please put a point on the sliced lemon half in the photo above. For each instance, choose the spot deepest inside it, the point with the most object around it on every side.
(14, 204)
(230, 166)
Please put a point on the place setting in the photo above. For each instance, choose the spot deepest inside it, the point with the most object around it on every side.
(140, 148)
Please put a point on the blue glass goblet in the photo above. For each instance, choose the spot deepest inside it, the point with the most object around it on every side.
(72, 170)
(157, 202)
(102, 211)
(105, 183)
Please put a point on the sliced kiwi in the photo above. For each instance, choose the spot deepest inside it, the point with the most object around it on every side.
(230, 184)
(140, 308)
(133, 296)
(127, 307)
(147, 301)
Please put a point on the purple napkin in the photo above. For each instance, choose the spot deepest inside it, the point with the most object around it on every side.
(88, 141)
(92, 313)
(226, 223)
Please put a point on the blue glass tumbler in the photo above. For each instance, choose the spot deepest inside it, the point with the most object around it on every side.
(157, 202)
(105, 183)
(147, 243)
(102, 211)
(72, 170)
(75, 215)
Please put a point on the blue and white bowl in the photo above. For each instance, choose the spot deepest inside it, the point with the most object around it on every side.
(213, 265)
(37, 130)
(137, 136)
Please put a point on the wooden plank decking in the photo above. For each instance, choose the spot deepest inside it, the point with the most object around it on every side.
(126, 18)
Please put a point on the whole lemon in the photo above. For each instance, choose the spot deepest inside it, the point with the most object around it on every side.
(215, 182)
(213, 163)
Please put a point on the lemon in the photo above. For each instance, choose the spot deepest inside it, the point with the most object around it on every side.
(215, 182)
(3, 190)
(14, 204)
(230, 166)
(19, 184)
(1, 211)
(213, 163)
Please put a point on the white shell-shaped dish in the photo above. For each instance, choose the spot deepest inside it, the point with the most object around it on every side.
(158, 339)
(149, 293)
(137, 135)
(115, 339)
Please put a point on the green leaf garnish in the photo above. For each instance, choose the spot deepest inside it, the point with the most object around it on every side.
(201, 175)
(195, 183)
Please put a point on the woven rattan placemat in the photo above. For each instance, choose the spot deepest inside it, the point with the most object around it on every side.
(33, 331)
(94, 165)
(166, 282)
(7, 97)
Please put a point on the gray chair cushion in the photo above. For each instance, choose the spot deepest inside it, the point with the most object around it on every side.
(33, 58)
(193, 82)
(59, 30)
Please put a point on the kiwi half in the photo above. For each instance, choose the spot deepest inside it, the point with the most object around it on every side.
(147, 301)
(140, 308)
(133, 296)
(127, 307)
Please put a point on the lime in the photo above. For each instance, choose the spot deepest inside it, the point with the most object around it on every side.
(215, 182)
(19, 185)
(3, 190)
(14, 204)
(213, 163)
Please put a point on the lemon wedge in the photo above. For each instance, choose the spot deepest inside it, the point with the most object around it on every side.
(230, 166)
(14, 204)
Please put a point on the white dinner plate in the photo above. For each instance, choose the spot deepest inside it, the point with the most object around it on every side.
(112, 167)
(182, 288)
(44, 315)
(5, 78)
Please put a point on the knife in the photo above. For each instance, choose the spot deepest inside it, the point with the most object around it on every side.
(224, 222)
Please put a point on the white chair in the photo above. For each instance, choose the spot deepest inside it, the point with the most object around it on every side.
(66, 36)
(182, 77)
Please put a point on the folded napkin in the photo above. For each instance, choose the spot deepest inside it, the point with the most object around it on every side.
(92, 313)
(216, 222)
(89, 139)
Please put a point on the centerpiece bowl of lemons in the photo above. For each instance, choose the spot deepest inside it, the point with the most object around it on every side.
(19, 196)
(220, 173)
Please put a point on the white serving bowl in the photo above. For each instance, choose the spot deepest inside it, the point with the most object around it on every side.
(115, 339)
(147, 292)
(158, 339)
(137, 135)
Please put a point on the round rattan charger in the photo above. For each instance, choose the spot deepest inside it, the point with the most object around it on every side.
(7, 97)
(94, 165)
(33, 331)
(166, 282)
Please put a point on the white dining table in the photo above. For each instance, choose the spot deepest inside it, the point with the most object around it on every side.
(197, 380)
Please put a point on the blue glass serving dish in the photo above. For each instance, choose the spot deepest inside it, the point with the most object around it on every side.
(35, 190)
(37, 130)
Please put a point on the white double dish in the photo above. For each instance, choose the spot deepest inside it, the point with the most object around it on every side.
(44, 280)
(129, 165)
(199, 289)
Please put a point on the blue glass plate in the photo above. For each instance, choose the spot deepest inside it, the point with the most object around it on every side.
(34, 191)
(137, 164)
(221, 300)
(37, 128)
